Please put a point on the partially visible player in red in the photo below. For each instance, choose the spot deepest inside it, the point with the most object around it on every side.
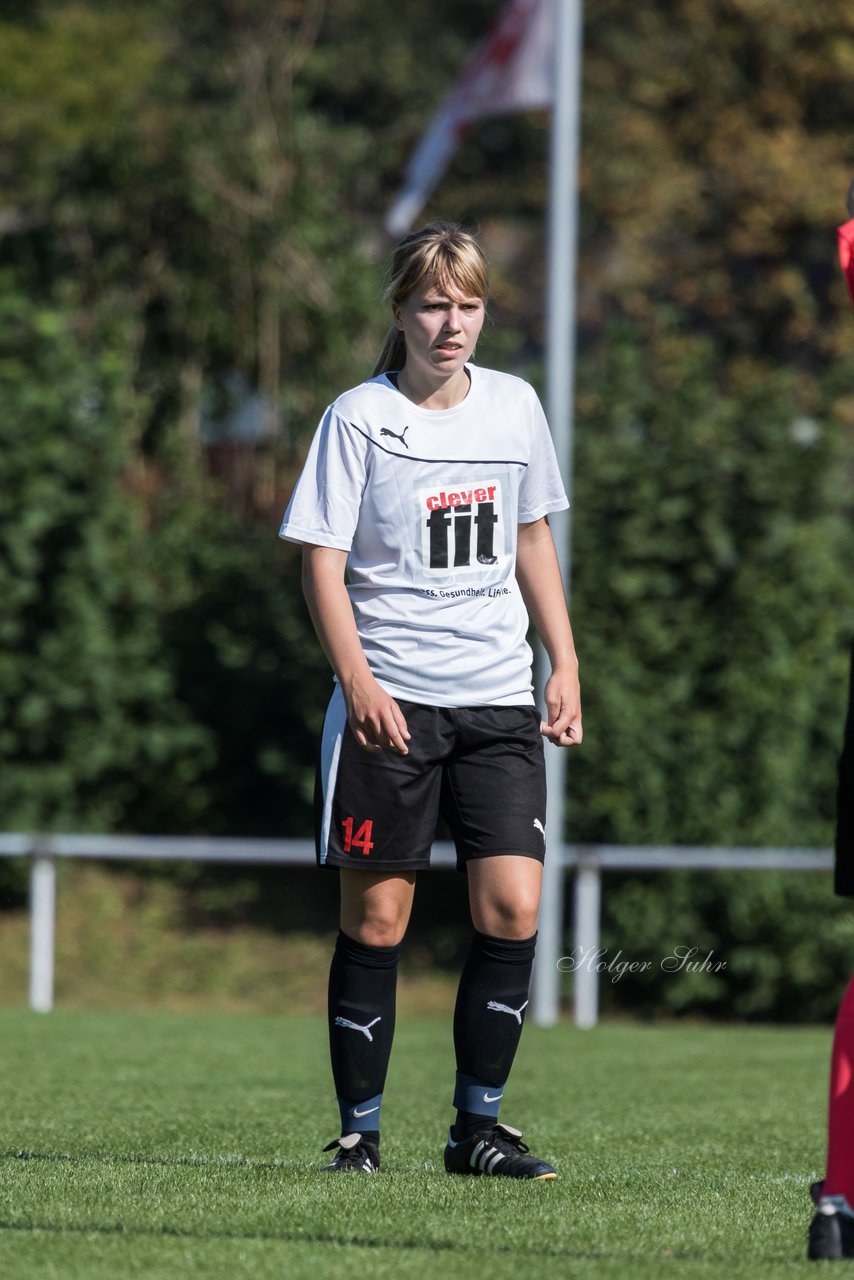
(831, 1233)
(845, 236)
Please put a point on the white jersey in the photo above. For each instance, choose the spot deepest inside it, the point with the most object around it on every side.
(427, 504)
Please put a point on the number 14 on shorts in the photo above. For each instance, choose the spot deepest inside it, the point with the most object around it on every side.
(361, 839)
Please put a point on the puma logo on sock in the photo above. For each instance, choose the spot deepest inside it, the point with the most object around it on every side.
(354, 1026)
(505, 1008)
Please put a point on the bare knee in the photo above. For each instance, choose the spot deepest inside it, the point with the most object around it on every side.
(376, 912)
(375, 932)
(504, 893)
(508, 918)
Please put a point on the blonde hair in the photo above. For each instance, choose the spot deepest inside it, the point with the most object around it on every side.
(441, 254)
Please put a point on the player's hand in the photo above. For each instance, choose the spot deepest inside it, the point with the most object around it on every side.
(563, 708)
(375, 718)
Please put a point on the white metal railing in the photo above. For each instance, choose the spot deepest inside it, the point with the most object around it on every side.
(591, 860)
(588, 862)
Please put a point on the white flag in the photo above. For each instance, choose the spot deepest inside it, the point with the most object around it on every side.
(511, 71)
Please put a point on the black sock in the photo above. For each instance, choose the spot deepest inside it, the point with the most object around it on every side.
(362, 986)
(490, 1010)
(468, 1123)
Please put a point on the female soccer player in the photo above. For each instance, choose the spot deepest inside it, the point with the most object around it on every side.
(422, 513)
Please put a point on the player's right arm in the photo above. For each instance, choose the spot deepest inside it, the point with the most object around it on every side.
(375, 718)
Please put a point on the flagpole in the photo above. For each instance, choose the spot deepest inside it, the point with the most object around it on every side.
(560, 381)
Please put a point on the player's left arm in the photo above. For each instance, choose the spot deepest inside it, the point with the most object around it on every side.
(538, 575)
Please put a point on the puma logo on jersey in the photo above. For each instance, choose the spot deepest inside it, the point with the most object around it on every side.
(384, 431)
(505, 1008)
(540, 827)
(354, 1026)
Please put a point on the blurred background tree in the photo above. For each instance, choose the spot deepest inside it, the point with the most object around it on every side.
(92, 725)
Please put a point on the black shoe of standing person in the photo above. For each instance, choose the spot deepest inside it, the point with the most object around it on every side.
(496, 1152)
(356, 1154)
(831, 1232)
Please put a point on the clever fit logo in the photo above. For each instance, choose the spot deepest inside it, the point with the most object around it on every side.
(461, 527)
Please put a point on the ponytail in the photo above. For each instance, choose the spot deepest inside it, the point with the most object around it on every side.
(393, 354)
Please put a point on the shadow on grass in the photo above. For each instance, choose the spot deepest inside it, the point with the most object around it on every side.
(237, 1162)
(284, 1237)
(317, 1238)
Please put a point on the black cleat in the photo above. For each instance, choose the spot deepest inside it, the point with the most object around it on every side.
(356, 1154)
(498, 1151)
(832, 1229)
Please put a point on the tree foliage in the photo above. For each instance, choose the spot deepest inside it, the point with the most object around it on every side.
(713, 597)
(91, 719)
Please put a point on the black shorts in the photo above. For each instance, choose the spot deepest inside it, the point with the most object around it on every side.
(481, 768)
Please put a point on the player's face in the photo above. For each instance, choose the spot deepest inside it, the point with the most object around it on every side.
(441, 327)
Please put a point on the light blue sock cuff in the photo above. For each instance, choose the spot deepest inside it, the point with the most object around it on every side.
(476, 1096)
(358, 1116)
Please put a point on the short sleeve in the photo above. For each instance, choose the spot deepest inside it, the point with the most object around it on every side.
(541, 489)
(324, 507)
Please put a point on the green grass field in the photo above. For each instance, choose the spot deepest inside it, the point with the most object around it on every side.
(166, 1145)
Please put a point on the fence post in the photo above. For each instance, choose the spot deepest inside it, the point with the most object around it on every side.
(545, 985)
(42, 925)
(585, 994)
